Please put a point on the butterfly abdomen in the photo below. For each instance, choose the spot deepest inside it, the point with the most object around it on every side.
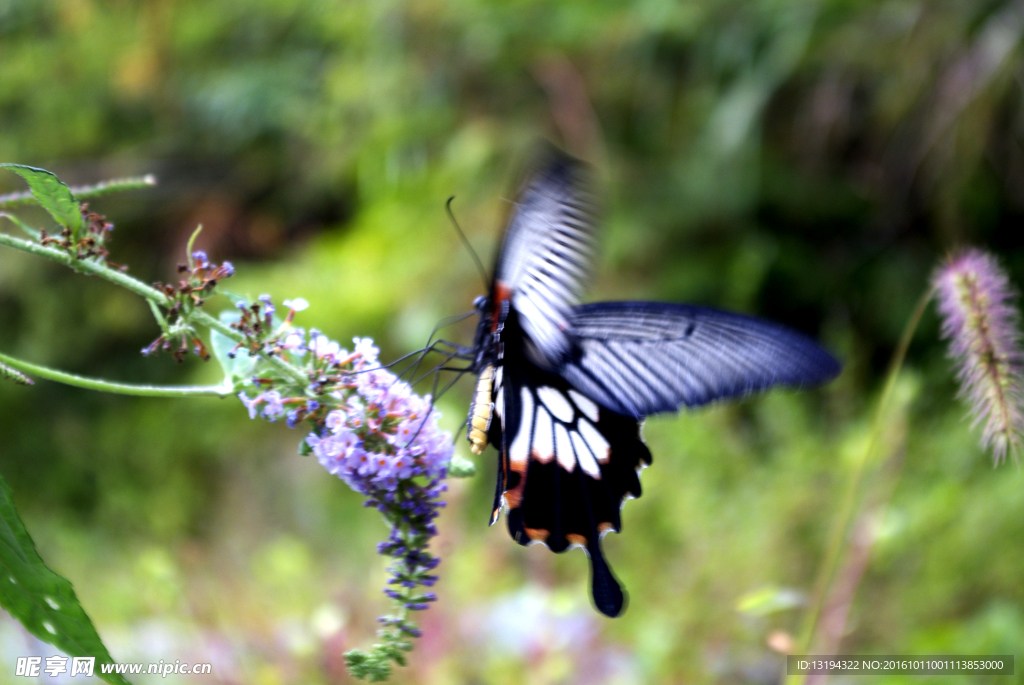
(480, 412)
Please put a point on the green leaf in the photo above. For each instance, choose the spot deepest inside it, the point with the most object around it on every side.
(41, 600)
(53, 195)
(240, 367)
(460, 467)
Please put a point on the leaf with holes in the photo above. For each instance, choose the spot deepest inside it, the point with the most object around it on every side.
(42, 601)
(53, 195)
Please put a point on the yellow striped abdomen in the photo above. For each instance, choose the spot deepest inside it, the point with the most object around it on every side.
(480, 412)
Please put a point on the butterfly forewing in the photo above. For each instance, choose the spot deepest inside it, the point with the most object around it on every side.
(546, 255)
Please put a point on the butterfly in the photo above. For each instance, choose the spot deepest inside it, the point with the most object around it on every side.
(563, 387)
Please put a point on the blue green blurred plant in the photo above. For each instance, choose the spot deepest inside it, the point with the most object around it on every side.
(368, 427)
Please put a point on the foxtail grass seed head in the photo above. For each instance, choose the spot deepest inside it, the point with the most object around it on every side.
(981, 323)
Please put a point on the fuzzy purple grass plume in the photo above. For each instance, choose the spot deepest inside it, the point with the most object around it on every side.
(975, 301)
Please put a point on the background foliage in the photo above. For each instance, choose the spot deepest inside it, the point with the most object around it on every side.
(808, 162)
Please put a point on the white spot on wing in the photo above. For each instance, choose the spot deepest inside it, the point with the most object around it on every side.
(598, 445)
(563, 448)
(499, 403)
(556, 403)
(498, 376)
(584, 456)
(518, 452)
(585, 404)
(542, 438)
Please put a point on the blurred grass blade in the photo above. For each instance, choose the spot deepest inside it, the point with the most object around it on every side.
(53, 195)
(42, 601)
(769, 600)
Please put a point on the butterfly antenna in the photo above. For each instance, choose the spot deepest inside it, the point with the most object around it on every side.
(465, 241)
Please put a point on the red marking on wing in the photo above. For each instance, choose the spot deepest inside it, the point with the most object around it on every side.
(502, 292)
(514, 495)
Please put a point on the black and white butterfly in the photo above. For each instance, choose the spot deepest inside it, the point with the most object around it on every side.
(563, 387)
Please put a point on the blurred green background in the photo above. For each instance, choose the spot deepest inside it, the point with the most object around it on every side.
(808, 162)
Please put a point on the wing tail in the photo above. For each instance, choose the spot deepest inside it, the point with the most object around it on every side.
(609, 597)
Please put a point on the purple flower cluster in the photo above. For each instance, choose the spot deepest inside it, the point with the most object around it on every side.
(975, 301)
(384, 442)
(383, 434)
(371, 430)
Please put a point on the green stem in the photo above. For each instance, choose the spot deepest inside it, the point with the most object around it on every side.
(86, 266)
(152, 294)
(119, 388)
(851, 498)
(158, 315)
(21, 224)
(26, 197)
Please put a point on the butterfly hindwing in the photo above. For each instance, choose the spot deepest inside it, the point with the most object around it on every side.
(566, 465)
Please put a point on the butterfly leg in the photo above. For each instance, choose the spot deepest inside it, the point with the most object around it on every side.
(420, 355)
(434, 396)
(455, 352)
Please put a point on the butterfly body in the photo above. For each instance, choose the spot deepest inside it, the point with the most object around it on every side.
(481, 411)
(563, 387)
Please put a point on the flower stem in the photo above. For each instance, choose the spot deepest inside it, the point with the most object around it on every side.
(851, 498)
(86, 266)
(118, 388)
(26, 197)
(152, 294)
